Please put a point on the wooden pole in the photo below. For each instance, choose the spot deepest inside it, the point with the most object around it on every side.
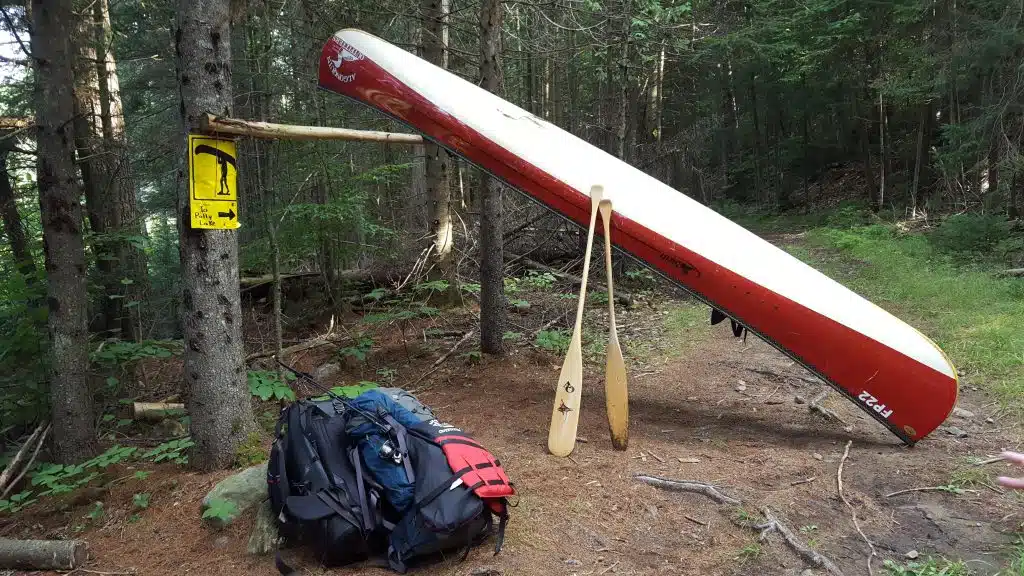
(215, 124)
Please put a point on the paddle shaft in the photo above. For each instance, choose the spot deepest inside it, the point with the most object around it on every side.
(615, 383)
(569, 390)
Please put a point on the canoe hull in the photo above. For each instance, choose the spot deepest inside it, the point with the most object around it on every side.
(887, 368)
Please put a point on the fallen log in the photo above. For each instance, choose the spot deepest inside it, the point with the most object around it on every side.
(218, 124)
(42, 554)
(156, 411)
(621, 296)
(1012, 272)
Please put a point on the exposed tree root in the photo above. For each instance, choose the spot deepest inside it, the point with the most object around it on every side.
(687, 486)
(853, 512)
(802, 550)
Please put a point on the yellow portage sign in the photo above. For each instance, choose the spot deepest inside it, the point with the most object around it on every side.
(212, 185)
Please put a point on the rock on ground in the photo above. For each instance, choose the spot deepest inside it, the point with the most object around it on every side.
(245, 490)
(264, 536)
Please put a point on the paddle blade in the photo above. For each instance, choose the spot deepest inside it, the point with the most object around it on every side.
(616, 394)
(565, 415)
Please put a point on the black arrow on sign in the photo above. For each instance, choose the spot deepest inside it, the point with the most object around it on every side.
(230, 214)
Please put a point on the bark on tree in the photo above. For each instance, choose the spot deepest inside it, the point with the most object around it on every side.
(60, 207)
(13, 228)
(218, 397)
(492, 260)
(920, 156)
(437, 165)
(119, 186)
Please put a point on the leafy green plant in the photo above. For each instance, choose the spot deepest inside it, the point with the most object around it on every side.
(387, 374)
(431, 287)
(97, 513)
(140, 500)
(173, 451)
(519, 304)
(470, 288)
(553, 340)
(749, 553)
(929, 567)
(17, 502)
(598, 297)
(221, 509)
(541, 280)
(640, 275)
(267, 384)
(122, 351)
(512, 336)
(359, 350)
(473, 356)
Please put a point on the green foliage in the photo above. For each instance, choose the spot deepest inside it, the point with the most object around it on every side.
(17, 502)
(973, 234)
(359, 350)
(251, 451)
(267, 384)
(553, 340)
(221, 509)
(122, 351)
(512, 336)
(140, 501)
(172, 451)
(97, 513)
(540, 280)
(350, 391)
(930, 567)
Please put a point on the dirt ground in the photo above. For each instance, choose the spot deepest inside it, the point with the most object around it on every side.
(704, 406)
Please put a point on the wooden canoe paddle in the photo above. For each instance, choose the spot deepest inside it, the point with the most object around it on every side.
(565, 415)
(615, 389)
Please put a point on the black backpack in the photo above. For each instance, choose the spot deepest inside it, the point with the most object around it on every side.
(317, 488)
(324, 496)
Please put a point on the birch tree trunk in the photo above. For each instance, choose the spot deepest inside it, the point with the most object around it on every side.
(437, 165)
(218, 397)
(492, 262)
(74, 433)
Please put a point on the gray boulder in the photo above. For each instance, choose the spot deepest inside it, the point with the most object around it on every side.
(243, 491)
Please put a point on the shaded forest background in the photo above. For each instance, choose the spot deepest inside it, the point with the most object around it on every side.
(906, 110)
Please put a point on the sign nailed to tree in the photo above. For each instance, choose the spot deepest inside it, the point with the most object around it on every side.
(212, 186)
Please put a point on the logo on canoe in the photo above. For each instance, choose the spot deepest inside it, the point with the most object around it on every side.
(345, 53)
(685, 267)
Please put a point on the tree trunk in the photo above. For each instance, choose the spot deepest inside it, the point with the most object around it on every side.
(93, 162)
(74, 433)
(492, 262)
(623, 114)
(120, 186)
(1011, 198)
(437, 163)
(218, 396)
(920, 156)
(883, 129)
(13, 228)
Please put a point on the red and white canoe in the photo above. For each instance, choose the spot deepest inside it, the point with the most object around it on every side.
(888, 368)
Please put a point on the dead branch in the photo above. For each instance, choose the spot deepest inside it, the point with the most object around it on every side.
(1012, 272)
(687, 486)
(548, 324)
(42, 554)
(437, 363)
(7, 478)
(6, 489)
(804, 481)
(222, 125)
(923, 489)
(853, 512)
(815, 406)
(156, 411)
(802, 550)
(314, 343)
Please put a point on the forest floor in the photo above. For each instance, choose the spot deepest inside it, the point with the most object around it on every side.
(704, 406)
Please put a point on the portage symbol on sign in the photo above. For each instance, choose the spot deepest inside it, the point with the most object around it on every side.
(213, 176)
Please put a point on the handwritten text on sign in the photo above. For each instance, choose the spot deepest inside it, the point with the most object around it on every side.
(213, 177)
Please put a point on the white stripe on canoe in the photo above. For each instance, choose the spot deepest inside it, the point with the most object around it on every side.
(646, 200)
